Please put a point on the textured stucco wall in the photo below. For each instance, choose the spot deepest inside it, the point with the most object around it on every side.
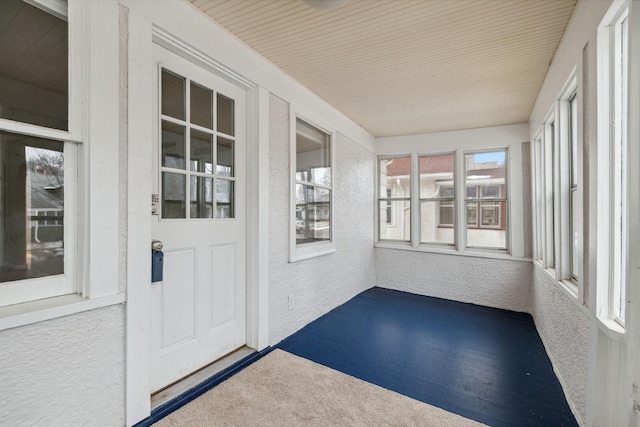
(64, 372)
(318, 284)
(564, 329)
(484, 281)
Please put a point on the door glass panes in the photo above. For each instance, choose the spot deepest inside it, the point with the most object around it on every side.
(173, 195)
(173, 145)
(191, 136)
(31, 207)
(224, 164)
(201, 197)
(394, 196)
(201, 158)
(225, 115)
(34, 66)
(173, 95)
(486, 199)
(437, 214)
(224, 198)
(201, 106)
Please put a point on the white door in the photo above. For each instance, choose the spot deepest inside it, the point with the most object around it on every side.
(199, 308)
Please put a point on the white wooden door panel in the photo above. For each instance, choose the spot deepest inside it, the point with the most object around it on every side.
(199, 309)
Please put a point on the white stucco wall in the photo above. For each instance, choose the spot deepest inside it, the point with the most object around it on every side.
(64, 372)
(485, 281)
(564, 329)
(318, 284)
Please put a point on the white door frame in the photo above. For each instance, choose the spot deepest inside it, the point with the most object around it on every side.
(141, 75)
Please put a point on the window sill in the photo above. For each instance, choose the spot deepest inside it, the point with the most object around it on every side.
(475, 253)
(27, 313)
(312, 250)
(611, 329)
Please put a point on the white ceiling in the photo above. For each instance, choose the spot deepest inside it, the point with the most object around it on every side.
(400, 67)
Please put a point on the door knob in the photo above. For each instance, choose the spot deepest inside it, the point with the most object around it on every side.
(156, 245)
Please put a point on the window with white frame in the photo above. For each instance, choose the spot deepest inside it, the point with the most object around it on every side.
(37, 159)
(435, 209)
(312, 186)
(437, 195)
(575, 210)
(612, 142)
(557, 211)
(549, 190)
(394, 198)
(486, 199)
(537, 198)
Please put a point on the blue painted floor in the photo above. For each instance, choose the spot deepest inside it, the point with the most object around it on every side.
(485, 364)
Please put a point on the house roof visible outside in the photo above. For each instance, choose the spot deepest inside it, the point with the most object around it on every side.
(401, 67)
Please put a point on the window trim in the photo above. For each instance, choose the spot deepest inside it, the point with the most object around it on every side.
(392, 199)
(25, 291)
(479, 199)
(312, 249)
(563, 180)
(459, 203)
(611, 277)
(439, 200)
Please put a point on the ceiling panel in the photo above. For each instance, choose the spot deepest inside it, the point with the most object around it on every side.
(400, 67)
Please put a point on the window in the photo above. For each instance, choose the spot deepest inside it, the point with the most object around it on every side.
(548, 187)
(437, 184)
(37, 163)
(312, 194)
(394, 214)
(612, 154)
(574, 207)
(486, 199)
(428, 216)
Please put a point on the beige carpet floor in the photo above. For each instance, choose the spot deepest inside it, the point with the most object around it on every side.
(285, 390)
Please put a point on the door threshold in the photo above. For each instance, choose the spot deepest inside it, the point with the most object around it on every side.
(187, 383)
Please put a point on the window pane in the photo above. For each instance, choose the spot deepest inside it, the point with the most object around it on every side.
(313, 214)
(224, 199)
(486, 221)
(575, 234)
(225, 157)
(31, 207)
(394, 220)
(34, 82)
(173, 95)
(225, 114)
(394, 177)
(201, 199)
(201, 152)
(201, 106)
(173, 145)
(173, 195)
(491, 233)
(573, 112)
(313, 154)
(436, 222)
(436, 172)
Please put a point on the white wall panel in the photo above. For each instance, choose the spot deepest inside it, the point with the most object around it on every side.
(318, 284)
